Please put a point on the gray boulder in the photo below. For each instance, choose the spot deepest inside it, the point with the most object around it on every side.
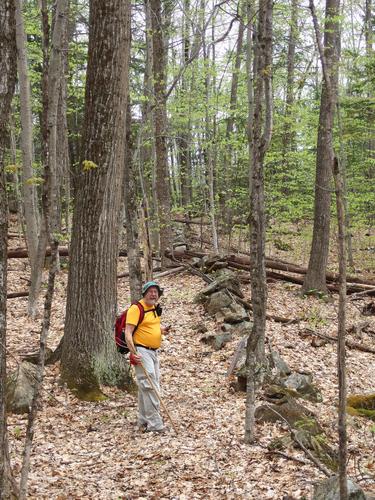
(223, 281)
(232, 313)
(329, 489)
(216, 341)
(303, 387)
(216, 302)
(277, 363)
(289, 410)
(21, 387)
(242, 329)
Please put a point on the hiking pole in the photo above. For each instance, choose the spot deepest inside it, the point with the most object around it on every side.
(158, 395)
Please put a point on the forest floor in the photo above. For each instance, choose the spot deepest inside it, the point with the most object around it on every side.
(94, 450)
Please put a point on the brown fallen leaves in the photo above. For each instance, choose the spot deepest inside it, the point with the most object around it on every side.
(86, 450)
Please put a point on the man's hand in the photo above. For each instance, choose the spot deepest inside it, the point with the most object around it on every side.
(135, 359)
(165, 329)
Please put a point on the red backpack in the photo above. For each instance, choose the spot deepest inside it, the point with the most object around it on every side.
(120, 328)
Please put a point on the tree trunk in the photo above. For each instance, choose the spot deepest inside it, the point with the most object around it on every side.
(37, 270)
(160, 124)
(50, 208)
(368, 27)
(184, 136)
(315, 277)
(210, 143)
(146, 139)
(229, 166)
(131, 214)
(30, 201)
(7, 83)
(341, 354)
(63, 159)
(261, 135)
(289, 127)
(89, 354)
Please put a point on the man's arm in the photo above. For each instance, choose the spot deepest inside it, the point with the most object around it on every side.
(129, 329)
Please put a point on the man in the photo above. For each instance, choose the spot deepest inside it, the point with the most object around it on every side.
(143, 346)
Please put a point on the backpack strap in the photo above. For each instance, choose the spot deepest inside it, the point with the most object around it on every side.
(141, 314)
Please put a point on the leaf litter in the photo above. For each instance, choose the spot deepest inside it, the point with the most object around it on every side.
(94, 450)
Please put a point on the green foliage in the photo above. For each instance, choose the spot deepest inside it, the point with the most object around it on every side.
(37, 181)
(12, 169)
(315, 319)
(88, 165)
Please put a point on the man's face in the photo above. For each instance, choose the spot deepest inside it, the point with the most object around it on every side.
(151, 296)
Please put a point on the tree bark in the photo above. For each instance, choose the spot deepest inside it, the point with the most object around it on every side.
(89, 355)
(62, 152)
(261, 135)
(341, 353)
(37, 270)
(210, 137)
(7, 83)
(315, 277)
(160, 129)
(30, 201)
(131, 214)
(289, 131)
(184, 134)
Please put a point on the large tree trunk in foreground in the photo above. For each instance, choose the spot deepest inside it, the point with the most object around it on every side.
(89, 354)
(7, 82)
(315, 277)
(261, 135)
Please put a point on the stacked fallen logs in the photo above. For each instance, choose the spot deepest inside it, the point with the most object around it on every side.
(291, 272)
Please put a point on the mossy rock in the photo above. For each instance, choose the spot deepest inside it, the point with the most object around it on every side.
(301, 386)
(366, 401)
(90, 395)
(361, 405)
(297, 416)
(329, 489)
(319, 446)
(361, 412)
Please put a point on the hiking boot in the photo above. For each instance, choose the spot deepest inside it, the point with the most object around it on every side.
(163, 430)
(141, 427)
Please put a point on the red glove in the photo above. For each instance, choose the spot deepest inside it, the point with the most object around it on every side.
(133, 359)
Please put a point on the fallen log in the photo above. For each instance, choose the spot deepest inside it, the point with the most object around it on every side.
(349, 343)
(188, 221)
(14, 295)
(174, 270)
(22, 253)
(243, 263)
(247, 305)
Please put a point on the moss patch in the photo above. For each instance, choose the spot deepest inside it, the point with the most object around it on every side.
(92, 395)
(362, 406)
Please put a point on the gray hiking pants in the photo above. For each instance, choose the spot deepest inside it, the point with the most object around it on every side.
(148, 402)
